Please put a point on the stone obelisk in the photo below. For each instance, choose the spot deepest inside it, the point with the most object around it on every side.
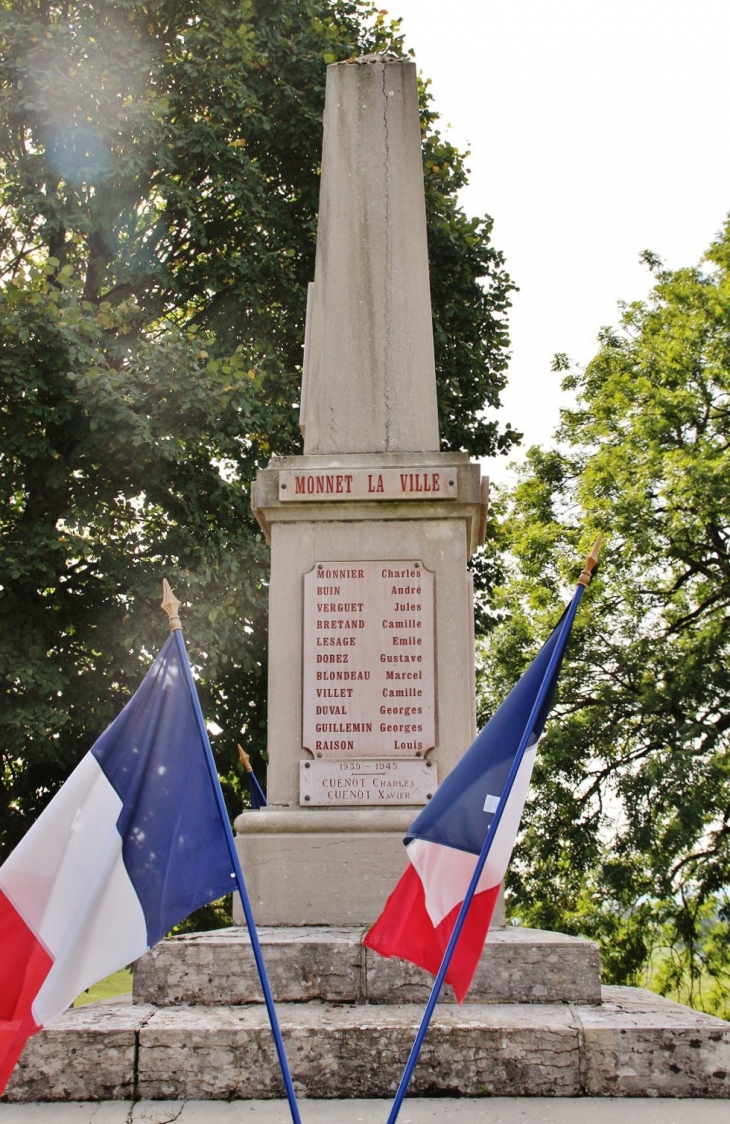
(370, 384)
(371, 673)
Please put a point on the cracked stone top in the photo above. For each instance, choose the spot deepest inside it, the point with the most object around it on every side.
(370, 383)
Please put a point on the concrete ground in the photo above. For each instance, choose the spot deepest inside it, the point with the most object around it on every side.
(417, 1110)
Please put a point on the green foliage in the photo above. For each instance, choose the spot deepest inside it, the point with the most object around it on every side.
(214, 915)
(160, 164)
(627, 835)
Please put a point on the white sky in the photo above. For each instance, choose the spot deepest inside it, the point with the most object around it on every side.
(597, 129)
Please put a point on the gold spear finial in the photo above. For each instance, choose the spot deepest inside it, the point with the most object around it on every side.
(244, 759)
(171, 605)
(590, 563)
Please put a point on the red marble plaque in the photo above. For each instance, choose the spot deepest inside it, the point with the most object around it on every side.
(368, 666)
(366, 484)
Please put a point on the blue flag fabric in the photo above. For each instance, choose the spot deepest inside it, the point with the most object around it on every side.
(173, 840)
(255, 792)
(461, 811)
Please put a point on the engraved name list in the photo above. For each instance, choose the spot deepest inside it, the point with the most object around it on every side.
(368, 680)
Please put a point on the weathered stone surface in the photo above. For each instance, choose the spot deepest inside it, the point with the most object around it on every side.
(634, 1044)
(517, 966)
(206, 1053)
(316, 962)
(370, 364)
(640, 1045)
(219, 968)
(88, 1054)
(359, 1051)
(302, 873)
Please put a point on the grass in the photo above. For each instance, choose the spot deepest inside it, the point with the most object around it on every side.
(119, 983)
(706, 995)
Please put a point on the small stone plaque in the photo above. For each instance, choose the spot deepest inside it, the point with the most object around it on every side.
(368, 660)
(367, 484)
(340, 783)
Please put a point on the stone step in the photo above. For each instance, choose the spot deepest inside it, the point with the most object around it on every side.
(317, 962)
(633, 1044)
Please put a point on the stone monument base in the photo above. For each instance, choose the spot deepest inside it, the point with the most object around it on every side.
(315, 963)
(198, 1028)
(323, 866)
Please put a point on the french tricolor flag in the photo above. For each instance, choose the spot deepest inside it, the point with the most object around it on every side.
(446, 839)
(132, 844)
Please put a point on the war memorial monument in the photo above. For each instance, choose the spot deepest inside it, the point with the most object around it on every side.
(371, 704)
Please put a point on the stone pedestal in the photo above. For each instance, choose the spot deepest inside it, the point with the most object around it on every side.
(198, 1028)
(336, 866)
(324, 866)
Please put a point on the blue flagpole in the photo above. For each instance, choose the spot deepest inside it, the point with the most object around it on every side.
(250, 923)
(461, 917)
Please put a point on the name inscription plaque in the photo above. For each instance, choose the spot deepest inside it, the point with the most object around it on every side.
(368, 680)
(334, 783)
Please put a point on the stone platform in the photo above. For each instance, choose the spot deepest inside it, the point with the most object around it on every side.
(537, 1024)
(316, 962)
(633, 1044)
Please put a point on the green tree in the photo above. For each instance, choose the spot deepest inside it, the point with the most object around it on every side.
(627, 834)
(157, 232)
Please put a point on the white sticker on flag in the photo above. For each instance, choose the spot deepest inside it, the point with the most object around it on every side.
(491, 803)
